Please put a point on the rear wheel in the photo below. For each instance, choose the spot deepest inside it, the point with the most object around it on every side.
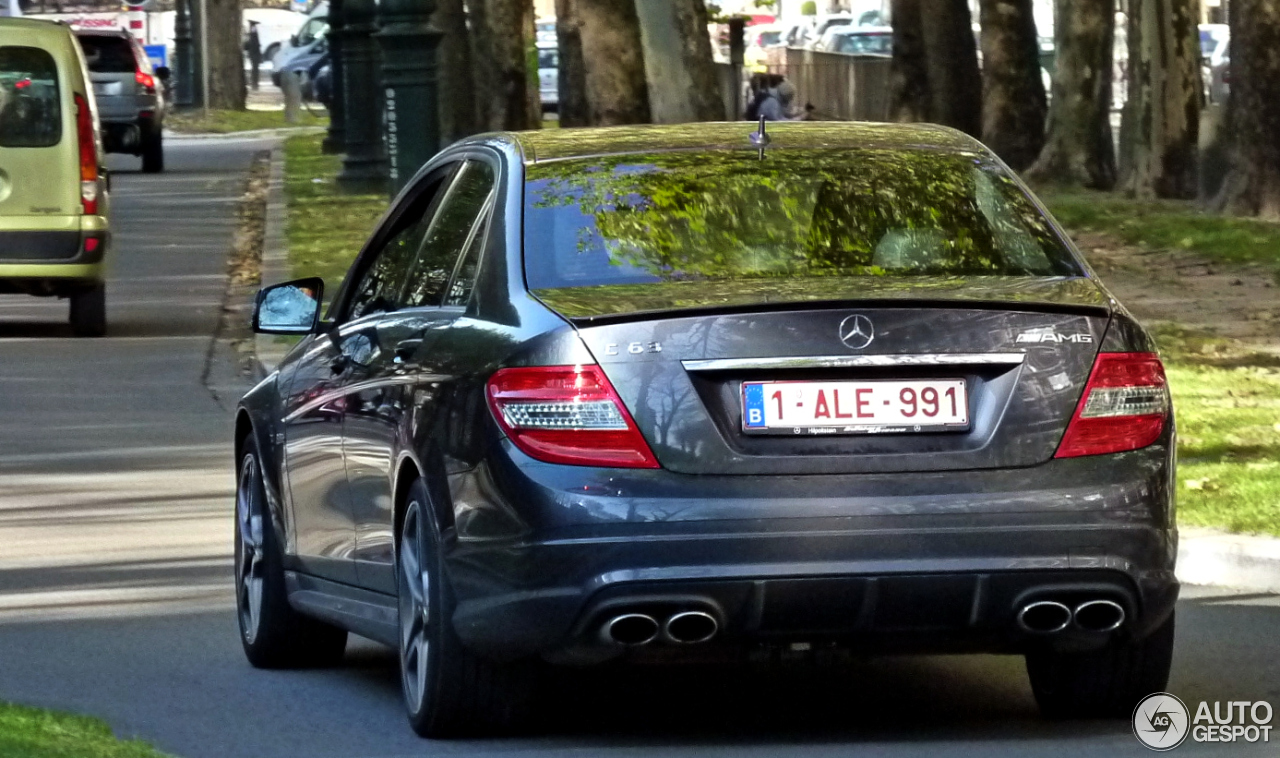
(1104, 683)
(272, 633)
(152, 150)
(448, 691)
(89, 312)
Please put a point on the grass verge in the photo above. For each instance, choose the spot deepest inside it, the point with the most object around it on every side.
(326, 228)
(1227, 404)
(35, 733)
(225, 122)
(1167, 224)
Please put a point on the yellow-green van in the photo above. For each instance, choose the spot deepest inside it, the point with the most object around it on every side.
(54, 233)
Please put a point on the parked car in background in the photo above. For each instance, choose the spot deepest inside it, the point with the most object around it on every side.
(130, 95)
(306, 67)
(641, 394)
(759, 40)
(549, 76)
(314, 28)
(860, 40)
(275, 27)
(54, 204)
(1215, 58)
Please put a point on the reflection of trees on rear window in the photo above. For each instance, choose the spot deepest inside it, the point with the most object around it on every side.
(30, 108)
(798, 214)
(108, 55)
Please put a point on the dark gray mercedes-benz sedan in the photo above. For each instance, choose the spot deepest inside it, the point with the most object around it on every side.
(656, 392)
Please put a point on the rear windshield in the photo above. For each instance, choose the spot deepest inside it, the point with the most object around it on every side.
(30, 108)
(797, 225)
(108, 55)
(865, 44)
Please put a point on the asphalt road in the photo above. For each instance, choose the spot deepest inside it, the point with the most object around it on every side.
(115, 567)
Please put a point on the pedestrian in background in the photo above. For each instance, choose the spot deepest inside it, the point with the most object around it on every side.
(253, 48)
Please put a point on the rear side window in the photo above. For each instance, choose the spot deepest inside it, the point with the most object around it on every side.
(108, 55)
(730, 228)
(30, 106)
(460, 212)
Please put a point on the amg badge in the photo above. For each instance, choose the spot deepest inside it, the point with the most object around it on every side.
(1047, 335)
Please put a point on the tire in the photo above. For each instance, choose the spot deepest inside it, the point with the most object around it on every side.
(152, 151)
(274, 635)
(1105, 683)
(89, 312)
(448, 691)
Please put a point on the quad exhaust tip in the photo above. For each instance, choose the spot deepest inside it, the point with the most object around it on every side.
(1099, 615)
(631, 629)
(691, 627)
(1044, 617)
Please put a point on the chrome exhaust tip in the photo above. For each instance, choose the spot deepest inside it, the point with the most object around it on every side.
(1044, 617)
(1099, 615)
(691, 627)
(631, 629)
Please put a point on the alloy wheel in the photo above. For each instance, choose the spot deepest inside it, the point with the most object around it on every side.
(415, 608)
(250, 548)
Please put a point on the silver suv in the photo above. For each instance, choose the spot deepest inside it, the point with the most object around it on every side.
(130, 95)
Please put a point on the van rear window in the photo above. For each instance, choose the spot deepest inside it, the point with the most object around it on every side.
(30, 108)
(799, 224)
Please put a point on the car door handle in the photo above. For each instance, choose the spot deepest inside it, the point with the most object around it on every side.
(405, 350)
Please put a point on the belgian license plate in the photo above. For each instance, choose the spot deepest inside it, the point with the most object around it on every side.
(858, 407)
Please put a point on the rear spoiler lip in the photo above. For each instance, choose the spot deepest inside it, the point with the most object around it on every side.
(1027, 306)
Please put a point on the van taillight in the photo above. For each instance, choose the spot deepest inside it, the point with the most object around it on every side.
(1123, 407)
(88, 156)
(567, 414)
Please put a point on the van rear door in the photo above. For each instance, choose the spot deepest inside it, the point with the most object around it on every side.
(39, 169)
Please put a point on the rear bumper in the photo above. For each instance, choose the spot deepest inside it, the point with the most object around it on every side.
(49, 256)
(934, 562)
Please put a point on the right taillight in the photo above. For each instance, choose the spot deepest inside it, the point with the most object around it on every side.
(1123, 407)
(88, 156)
(567, 414)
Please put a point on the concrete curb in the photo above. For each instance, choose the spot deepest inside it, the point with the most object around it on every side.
(270, 349)
(282, 132)
(1242, 561)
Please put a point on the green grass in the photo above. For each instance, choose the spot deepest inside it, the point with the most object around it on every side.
(34, 733)
(1227, 404)
(1167, 224)
(225, 122)
(326, 228)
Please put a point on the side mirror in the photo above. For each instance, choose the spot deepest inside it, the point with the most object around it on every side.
(289, 308)
(162, 73)
(293, 40)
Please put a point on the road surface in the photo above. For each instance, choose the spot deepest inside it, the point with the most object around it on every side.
(115, 566)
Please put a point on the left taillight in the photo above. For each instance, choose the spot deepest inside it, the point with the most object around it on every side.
(567, 414)
(88, 156)
(1124, 406)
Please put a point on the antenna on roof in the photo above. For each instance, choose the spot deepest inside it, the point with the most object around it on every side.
(760, 138)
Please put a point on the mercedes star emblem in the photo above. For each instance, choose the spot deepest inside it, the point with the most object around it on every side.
(856, 331)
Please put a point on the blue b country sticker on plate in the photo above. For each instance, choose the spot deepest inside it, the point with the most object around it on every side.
(753, 406)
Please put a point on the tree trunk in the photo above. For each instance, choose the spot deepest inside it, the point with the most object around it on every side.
(682, 79)
(909, 77)
(1161, 128)
(1078, 150)
(457, 90)
(935, 65)
(613, 62)
(951, 61)
(501, 44)
(572, 107)
(1013, 98)
(1252, 186)
(226, 56)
